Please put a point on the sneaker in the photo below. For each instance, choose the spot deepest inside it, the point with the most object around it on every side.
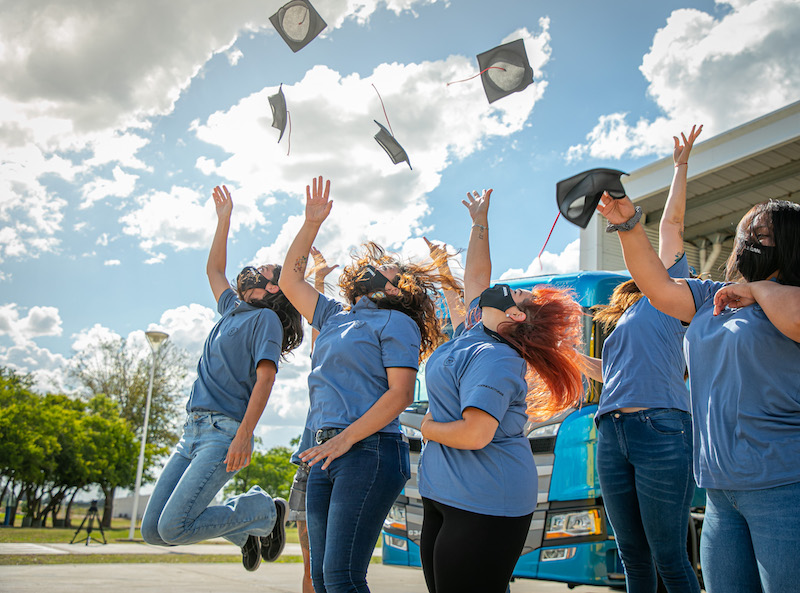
(272, 544)
(251, 553)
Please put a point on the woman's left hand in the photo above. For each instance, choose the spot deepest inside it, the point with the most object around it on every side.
(317, 204)
(239, 452)
(329, 450)
(616, 211)
(733, 295)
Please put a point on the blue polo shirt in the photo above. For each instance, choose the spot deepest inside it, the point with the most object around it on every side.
(352, 352)
(476, 370)
(744, 376)
(643, 364)
(226, 373)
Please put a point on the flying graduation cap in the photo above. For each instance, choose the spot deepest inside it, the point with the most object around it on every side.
(391, 146)
(298, 23)
(505, 70)
(278, 104)
(578, 196)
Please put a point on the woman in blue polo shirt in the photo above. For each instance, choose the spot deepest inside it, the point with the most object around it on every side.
(363, 372)
(743, 352)
(644, 441)
(235, 376)
(477, 475)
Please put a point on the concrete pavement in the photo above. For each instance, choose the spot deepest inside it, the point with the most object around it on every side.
(213, 578)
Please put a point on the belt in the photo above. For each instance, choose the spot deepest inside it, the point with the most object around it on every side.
(326, 434)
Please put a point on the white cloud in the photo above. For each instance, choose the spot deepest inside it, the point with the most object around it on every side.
(372, 197)
(45, 367)
(98, 189)
(551, 263)
(112, 262)
(39, 321)
(187, 327)
(720, 72)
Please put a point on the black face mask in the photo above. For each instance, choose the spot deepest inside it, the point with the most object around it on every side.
(757, 262)
(497, 297)
(249, 278)
(370, 280)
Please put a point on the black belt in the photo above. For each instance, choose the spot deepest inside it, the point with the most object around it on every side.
(326, 434)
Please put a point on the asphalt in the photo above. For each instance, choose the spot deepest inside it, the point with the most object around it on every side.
(196, 577)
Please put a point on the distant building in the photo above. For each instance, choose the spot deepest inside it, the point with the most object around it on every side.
(123, 507)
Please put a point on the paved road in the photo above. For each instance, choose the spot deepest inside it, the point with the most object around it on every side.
(212, 578)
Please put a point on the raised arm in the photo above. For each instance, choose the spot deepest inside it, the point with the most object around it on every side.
(218, 255)
(292, 281)
(455, 305)
(668, 295)
(670, 231)
(478, 270)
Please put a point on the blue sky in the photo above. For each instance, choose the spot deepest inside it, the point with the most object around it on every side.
(117, 120)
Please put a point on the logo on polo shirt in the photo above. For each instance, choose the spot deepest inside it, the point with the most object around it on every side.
(232, 331)
(449, 361)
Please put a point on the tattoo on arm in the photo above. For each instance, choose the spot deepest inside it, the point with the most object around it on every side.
(678, 256)
(300, 264)
(480, 233)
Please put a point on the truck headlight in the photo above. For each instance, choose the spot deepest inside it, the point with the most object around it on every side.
(411, 432)
(573, 524)
(396, 519)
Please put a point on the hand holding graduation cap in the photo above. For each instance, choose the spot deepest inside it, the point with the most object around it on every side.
(616, 210)
(317, 204)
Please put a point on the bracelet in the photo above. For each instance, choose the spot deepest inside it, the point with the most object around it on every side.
(679, 164)
(480, 226)
(628, 224)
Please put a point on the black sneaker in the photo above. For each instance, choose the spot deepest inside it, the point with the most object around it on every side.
(251, 553)
(272, 544)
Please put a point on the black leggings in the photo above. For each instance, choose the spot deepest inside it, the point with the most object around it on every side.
(464, 551)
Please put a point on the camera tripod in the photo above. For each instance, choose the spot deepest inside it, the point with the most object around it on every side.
(90, 517)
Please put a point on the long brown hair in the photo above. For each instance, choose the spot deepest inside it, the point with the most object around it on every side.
(549, 340)
(417, 283)
(625, 296)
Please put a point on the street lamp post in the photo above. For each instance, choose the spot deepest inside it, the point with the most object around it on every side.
(154, 338)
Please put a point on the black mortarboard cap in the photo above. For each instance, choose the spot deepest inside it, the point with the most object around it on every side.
(578, 196)
(298, 23)
(391, 146)
(278, 104)
(505, 70)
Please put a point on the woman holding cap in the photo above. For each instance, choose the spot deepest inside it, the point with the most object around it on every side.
(235, 376)
(644, 439)
(477, 474)
(743, 351)
(363, 375)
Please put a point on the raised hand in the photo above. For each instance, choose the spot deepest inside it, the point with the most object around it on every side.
(680, 154)
(616, 211)
(222, 201)
(321, 267)
(478, 205)
(317, 204)
(437, 252)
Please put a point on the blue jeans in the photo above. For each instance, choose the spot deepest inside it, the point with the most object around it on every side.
(644, 461)
(178, 511)
(751, 540)
(345, 508)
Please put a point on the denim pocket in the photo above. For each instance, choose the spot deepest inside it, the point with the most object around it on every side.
(225, 425)
(404, 459)
(668, 423)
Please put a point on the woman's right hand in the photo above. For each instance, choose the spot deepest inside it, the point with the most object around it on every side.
(222, 201)
(317, 204)
(616, 211)
(478, 206)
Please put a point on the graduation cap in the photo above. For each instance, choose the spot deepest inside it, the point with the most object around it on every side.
(391, 146)
(298, 23)
(578, 196)
(505, 70)
(278, 104)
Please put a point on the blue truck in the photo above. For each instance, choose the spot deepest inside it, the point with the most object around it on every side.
(569, 540)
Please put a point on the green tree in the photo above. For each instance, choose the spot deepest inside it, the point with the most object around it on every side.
(120, 370)
(272, 470)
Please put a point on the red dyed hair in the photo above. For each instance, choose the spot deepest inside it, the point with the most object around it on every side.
(549, 340)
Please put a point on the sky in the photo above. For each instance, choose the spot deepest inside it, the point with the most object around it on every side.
(118, 118)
